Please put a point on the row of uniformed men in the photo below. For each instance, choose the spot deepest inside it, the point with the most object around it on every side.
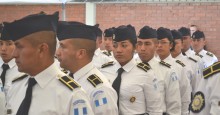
(193, 61)
(154, 86)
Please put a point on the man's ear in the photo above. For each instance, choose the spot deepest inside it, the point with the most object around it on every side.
(81, 53)
(43, 48)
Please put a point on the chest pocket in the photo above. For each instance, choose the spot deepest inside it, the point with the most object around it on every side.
(132, 97)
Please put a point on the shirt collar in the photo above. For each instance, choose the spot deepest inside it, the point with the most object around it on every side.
(179, 56)
(168, 58)
(11, 63)
(202, 52)
(83, 71)
(153, 61)
(127, 67)
(97, 51)
(44, 77)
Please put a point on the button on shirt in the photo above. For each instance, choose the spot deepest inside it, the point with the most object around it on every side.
(139, 92)
(185, 88)
(49, 96)
(99, 58)
(209, 60)
(11, 74)
(103, 97)
(169, 87)
(210, 88)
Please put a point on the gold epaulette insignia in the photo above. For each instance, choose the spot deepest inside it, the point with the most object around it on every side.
(165, 64)
(106, 53)
(215, 68)
(209, 54)
(107, 64)
(19, 78)
(94, 80)
(198, 102)
(199, 55)
(143, 66)
(192, 59)
(69, 82)
(181, 63)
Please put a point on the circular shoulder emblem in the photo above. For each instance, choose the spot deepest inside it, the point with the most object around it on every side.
(132, 99)
(198, 102)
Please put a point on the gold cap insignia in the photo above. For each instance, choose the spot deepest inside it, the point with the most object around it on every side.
(198, 102)
(132, 99)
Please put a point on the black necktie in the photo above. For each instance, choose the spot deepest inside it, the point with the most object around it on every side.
(117, 83)
(25, 105)
(5, 67)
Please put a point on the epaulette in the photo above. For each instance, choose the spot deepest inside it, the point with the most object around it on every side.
(211, 70)
(69, 82)
(209, 54)
(19, 78)
(181, 63)
(106, 53)
(199, 55)
(192, 59)
(94, 80)
(165, 64)
(143, 66)
(107, 64)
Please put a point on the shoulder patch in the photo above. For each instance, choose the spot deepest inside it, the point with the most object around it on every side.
(94, 80)
(199, 55)
(165, 64)
(211, 70)
(19, 78)
(209, 54)
(181, 63)
(143, 66)
(69, 82)
(106, 53)
(198, 103)
(192, 59)
(107, 64)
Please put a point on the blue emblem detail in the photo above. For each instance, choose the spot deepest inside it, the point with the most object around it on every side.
(78, 101)
(100, 102)
(84, 111)
(76, 112)
(97, 92)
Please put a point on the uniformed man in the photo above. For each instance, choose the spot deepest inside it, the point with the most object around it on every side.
(107, 41)
(135, 83)
(167, 78)
(198, 44)
(163, 50)
(100, 56)
(9, 70)
(187, 51)
(77, 47)
(45, 90)
(207, 98)
(191, 64)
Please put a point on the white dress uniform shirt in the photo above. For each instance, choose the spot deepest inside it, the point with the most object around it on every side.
(2, 100)
(139, 92)
(50, 96)
(99, 58)
(202, 65)
(193, 68)
(103, 97)
(207, 98)
(169, 87)
(185, 90)
(11, 74)
(208, 57)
